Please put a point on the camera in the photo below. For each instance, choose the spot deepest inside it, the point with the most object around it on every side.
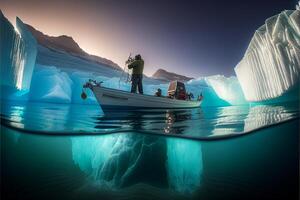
(129, 60)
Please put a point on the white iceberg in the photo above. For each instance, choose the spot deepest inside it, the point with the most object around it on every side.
(18, 55)
(271, 64)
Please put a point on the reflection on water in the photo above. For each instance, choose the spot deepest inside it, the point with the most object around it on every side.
(207, 122)
(16, 116)
(264, 115)
(230, 121)
(202, 123)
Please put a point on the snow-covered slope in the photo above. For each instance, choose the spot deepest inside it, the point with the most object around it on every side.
(68, 62)
(18, 55)
(67, 45)
(271, 64)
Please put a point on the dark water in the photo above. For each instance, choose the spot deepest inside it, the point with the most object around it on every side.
(52, 151)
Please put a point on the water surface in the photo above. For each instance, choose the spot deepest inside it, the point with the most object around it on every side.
(59, 151)
(201, 123)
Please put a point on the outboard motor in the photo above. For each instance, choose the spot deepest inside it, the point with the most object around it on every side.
(177, 90)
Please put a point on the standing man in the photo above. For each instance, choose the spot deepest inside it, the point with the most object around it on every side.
(137, 66)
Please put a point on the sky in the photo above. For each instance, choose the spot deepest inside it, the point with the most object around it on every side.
(192, 38)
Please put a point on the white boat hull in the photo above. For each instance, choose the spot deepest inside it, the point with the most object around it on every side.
(117, 99)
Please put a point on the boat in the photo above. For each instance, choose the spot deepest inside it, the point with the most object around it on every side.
(113, 99)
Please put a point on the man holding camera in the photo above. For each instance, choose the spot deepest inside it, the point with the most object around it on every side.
(137, 66)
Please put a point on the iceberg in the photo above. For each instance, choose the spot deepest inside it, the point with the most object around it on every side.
(271, 64)
(32, 72)
(49, 84)
(52, 84)
(217, 90)
(17, 57)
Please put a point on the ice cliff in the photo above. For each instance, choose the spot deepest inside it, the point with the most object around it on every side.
(271, 64)
(17, 57)
(122, 160)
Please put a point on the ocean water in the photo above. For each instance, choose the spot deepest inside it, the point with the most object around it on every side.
(69, 151)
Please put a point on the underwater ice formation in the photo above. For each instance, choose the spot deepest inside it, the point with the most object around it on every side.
(184, 165)
(121, 160)
(271, 64)
(18, 55)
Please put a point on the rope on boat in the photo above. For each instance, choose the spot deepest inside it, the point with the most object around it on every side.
(127, 71)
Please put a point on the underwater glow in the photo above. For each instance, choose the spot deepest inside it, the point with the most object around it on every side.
(56, 145)
(184, 165)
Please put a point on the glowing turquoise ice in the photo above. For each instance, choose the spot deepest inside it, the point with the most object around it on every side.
(18, 55)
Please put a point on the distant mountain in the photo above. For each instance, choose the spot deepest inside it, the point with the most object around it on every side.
(162, 74)
(66, 44)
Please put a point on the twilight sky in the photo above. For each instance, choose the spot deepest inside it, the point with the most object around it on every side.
(193, 38)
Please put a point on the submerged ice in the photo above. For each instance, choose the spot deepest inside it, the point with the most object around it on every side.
(271, 64)
(122, 160)
(184, 165)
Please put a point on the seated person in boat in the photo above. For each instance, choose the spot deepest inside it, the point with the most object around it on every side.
(158, 92)
(137, 66)
(200, 97)
(190, 96)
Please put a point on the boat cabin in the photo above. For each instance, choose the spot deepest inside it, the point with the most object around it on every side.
(177, 90)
